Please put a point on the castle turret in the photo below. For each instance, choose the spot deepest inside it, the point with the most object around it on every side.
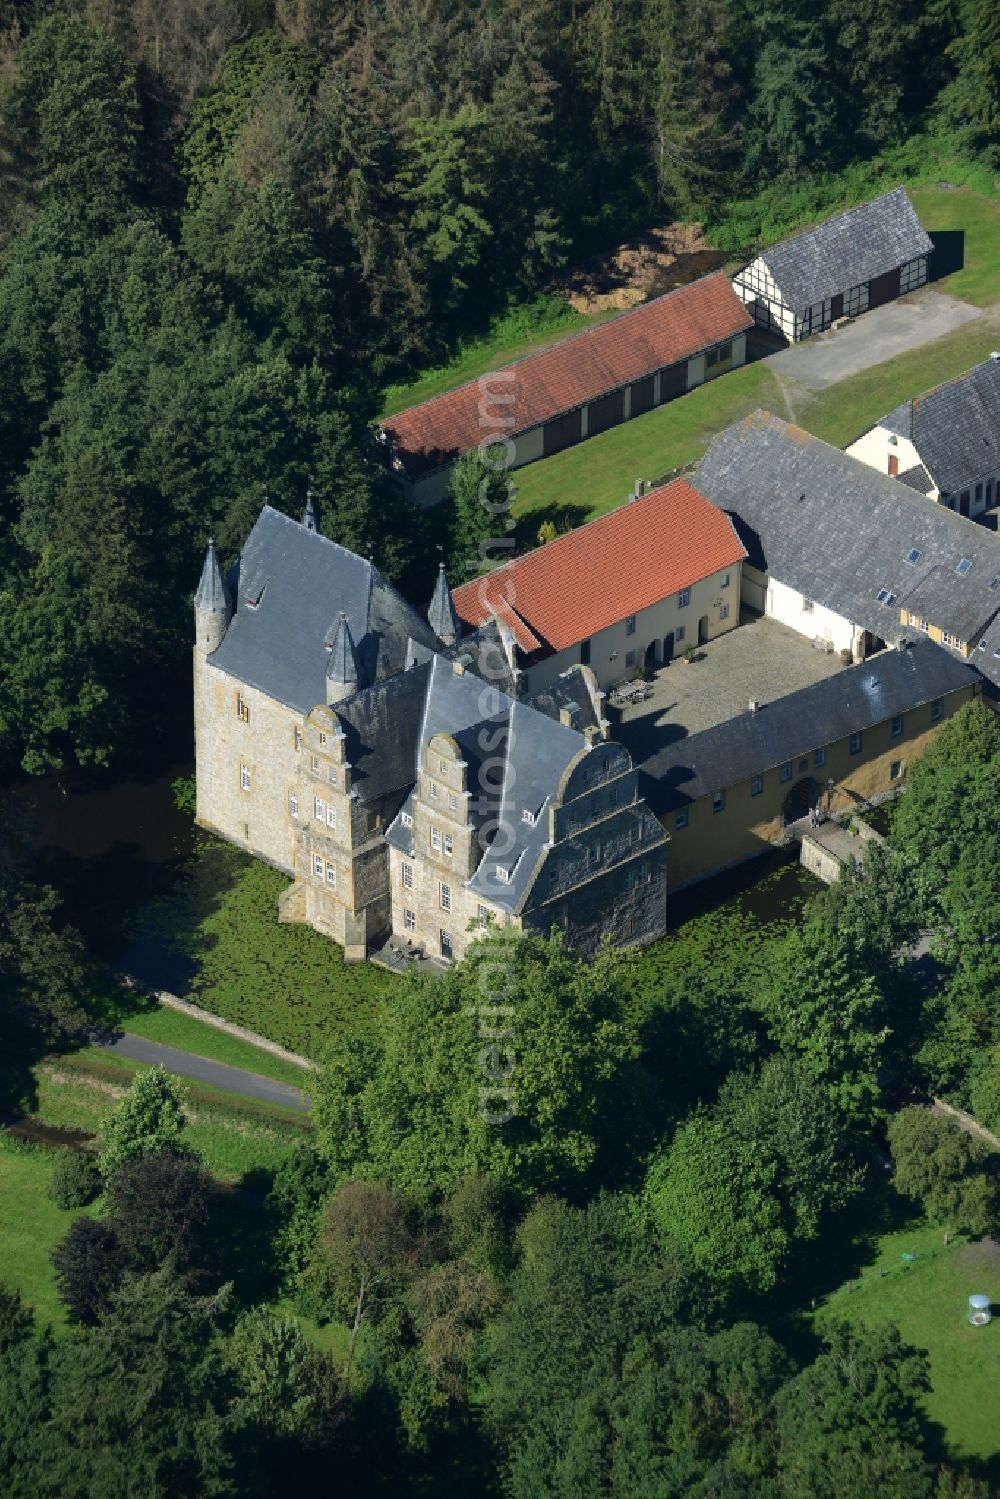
(441, 614)
(309, 513)
(212, 606)
(343, 672)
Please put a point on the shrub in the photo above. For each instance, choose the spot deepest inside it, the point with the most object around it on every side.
(75, 1181)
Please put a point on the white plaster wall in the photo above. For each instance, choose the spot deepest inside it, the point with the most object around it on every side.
(875, 449)
(785, 605)
(609, 648)
(696, 371)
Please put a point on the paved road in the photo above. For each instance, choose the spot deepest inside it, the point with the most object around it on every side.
(899, 326)
(217, 1074)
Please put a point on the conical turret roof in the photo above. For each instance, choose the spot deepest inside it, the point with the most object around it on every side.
(212, 594)
(342, 664)
(441, 615)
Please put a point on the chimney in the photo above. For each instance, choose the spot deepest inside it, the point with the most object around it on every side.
(754, 705)
(640, 488)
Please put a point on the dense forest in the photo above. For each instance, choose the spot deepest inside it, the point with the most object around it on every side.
(226, 224)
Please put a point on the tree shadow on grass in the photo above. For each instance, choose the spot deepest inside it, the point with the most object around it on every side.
(237, 1239)
(565, 517)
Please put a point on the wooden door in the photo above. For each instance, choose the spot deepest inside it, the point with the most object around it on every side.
(883, 289)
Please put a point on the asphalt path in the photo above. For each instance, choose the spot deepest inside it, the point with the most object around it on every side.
(872, 338)
(216, 1074)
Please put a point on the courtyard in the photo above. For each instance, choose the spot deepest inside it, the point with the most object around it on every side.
(746, 663)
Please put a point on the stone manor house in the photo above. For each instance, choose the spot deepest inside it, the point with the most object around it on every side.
(400, 776)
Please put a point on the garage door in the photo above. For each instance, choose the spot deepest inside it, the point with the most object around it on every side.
(883, 289)
(605, 413)
(642, 396)
(674, 381)
(561, 432)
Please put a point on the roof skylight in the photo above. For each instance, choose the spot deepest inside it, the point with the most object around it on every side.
(884, 596)
(964, 566)
(913, 555)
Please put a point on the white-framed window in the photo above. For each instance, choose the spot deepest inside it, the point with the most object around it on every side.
(244, 778)
(680, 633)
(684, 598)
(785, 773)
(452, 803)
(436, 839)
(819, 756)
(410, 920)
(434, 791)
(528, 816)
(444, 896)
(503, 874)
(314, 761)
(297, 738)
(935, 710)
(443, 766)
(725, 581)
(629, 659)
(293, 804)
(318, 866)
(319, 809)
(322, 741)
(856, 743)
(483, 917)
(406, 871)
(630, 625)
(718, 801)
(756, 785)
(723, 611)
(807, 605)
(896, 770)
(448, 845)
(681, 819)
(333, 775)
(242, 708)
(447, 947)
(331, 816)
(897, 726)
(331, 873)
(406, 818)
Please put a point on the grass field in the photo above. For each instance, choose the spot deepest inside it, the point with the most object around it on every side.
(236, 1138)
(927, 1300)
(172, 1028)
(30, 1226)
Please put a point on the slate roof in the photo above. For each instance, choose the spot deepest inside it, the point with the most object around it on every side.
(893, 682)
(212, 594)
(290, 586)
(917, 478)
(955, 428)
(599, 574)
(569, 694)
(533, 751)
(840, 533)
(381, 726)
(578, 369)
(847, 250)
(441, 614)
(342, 658)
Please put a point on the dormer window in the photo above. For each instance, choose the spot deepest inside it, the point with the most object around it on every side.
(528, 817)
(503, 874)
(254, 593)
(407, 819)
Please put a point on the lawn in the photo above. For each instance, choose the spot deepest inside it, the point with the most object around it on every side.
(927, 1300)
(172, 1028)
(235, 1137)
(545, 321)
(287, 983)
(977, 215)
(30, 1226)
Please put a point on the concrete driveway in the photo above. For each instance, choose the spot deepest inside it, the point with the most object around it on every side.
(876, 336)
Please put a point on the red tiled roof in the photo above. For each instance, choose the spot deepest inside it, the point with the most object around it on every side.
(604, 571)
(600, 359)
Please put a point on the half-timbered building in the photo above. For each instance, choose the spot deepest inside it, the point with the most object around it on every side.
(848, 265)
